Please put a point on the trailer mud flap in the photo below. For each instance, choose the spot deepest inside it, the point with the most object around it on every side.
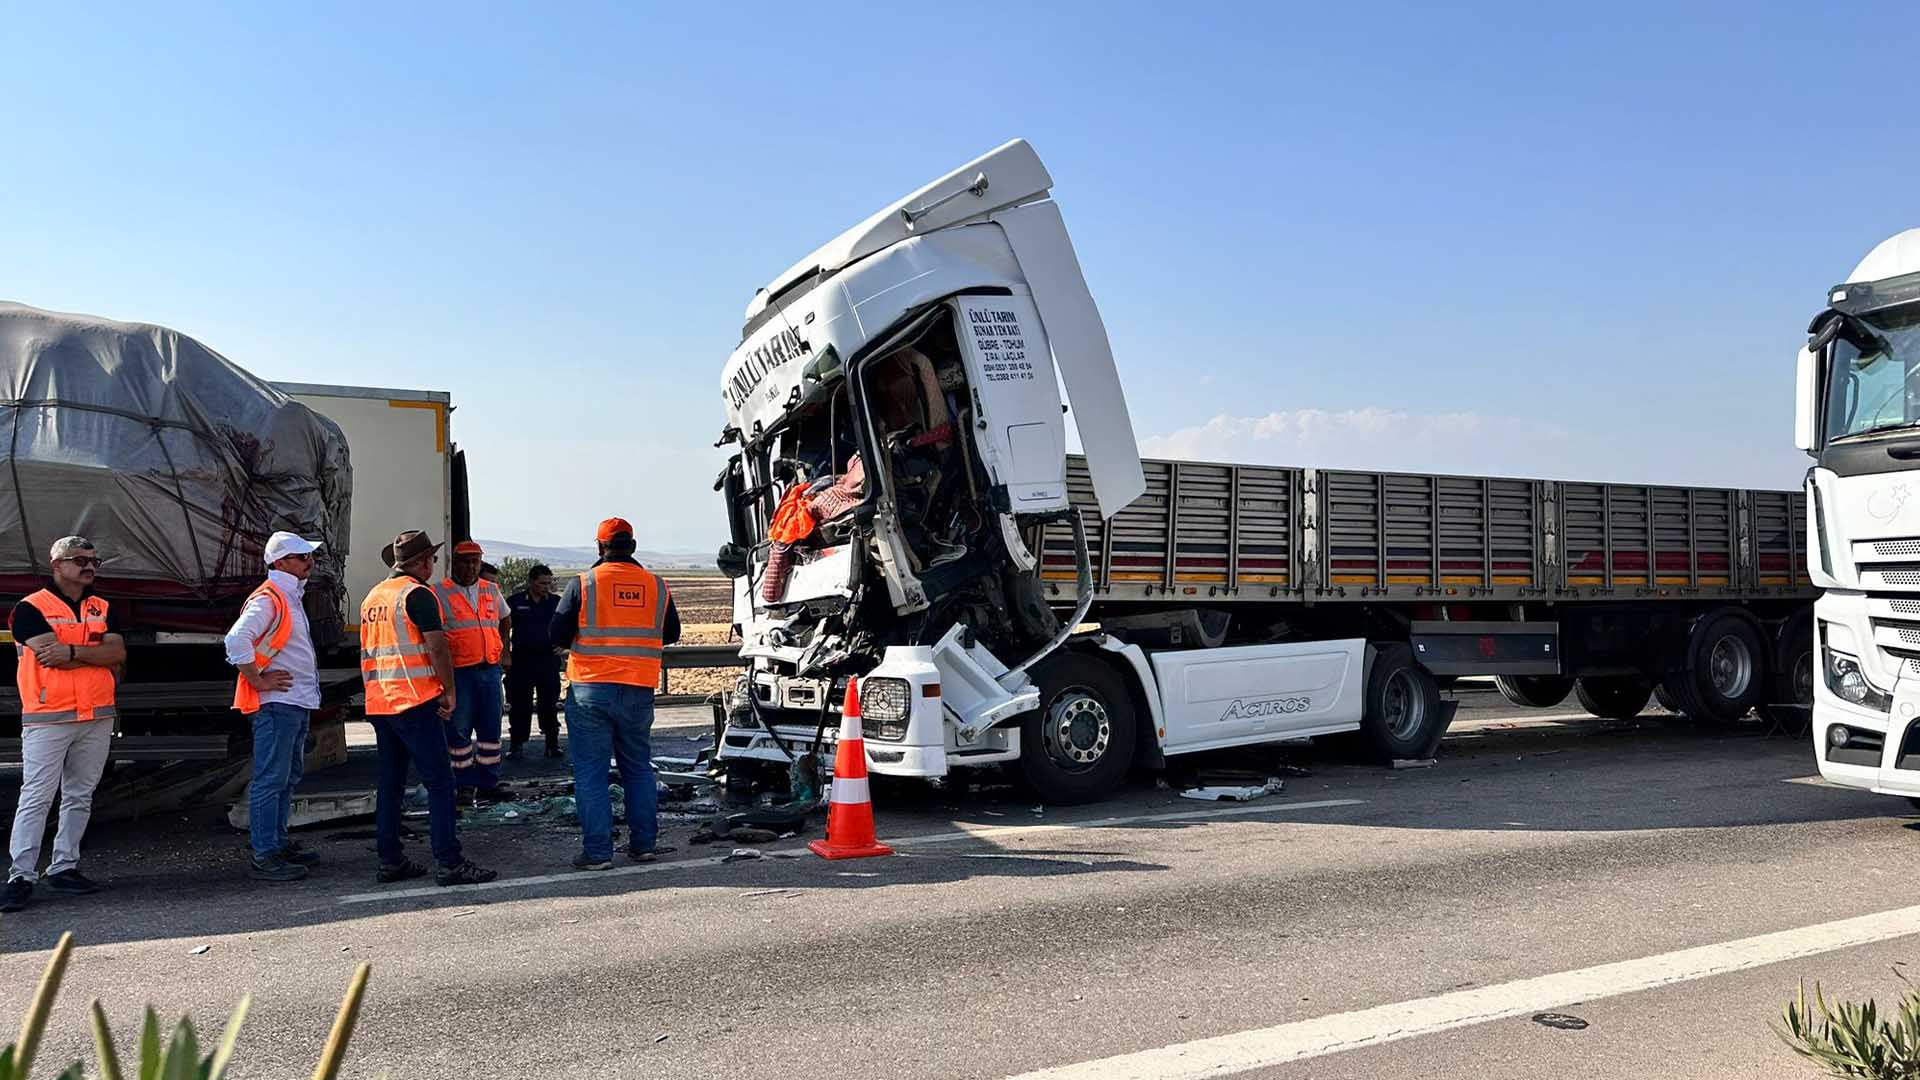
(1487, 648)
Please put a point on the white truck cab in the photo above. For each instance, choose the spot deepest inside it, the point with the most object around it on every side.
(896, 398)
(1858, 414)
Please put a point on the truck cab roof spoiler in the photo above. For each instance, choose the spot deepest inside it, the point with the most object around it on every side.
(1006, 176)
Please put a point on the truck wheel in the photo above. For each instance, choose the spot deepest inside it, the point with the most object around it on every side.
(1789, 706)
(1534, 691)
(1078, 746)
(1726, 672)
(1403, 718)
(1614, 697)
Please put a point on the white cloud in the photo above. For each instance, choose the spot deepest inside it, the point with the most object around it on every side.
(1618, 450)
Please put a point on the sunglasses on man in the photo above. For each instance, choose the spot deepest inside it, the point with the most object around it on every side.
(83, 561)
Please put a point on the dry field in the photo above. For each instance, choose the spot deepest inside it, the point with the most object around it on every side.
(705, 602)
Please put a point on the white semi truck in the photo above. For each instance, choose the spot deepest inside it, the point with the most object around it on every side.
(1858, 414)
(903, 509)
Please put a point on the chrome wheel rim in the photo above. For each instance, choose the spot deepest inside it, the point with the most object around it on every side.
(1730, 667)
(1078, 730)
(1402, 705)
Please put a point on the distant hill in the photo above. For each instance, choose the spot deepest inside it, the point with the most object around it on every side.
(575, 557)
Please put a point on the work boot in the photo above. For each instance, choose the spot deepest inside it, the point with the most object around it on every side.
(648, 855)
(404, 870)
(72, 882)
(553, 749)
(466, 873)
(16, 895)
(514, 752)
(276, 869)
(584, 861)
(297, 853)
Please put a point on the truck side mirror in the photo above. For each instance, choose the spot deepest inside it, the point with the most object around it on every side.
(732, 560)
(1806, 401)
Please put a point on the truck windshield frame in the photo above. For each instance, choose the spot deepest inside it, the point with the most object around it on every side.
(1873, 389)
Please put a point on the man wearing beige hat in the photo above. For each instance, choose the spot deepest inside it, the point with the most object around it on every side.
(408, 674)
(277, 689)
(70, 657)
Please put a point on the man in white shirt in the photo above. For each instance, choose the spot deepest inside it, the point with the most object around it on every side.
(278, 687)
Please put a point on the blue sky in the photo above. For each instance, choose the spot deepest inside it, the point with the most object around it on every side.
(1508, 239)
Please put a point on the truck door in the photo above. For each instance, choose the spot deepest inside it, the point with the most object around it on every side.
(1080, 350)
(1016, 403)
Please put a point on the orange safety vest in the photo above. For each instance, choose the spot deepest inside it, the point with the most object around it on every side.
(473, 635)
(65, 695)
(394, 662)
(245, 697)
(623, 610)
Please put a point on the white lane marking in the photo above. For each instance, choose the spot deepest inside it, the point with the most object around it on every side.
(898, 842)
(1264, 1048)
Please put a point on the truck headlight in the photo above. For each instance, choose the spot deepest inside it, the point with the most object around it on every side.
(1849, 683)
(883, 707)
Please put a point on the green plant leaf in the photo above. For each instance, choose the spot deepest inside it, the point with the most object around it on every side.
(103, 1049)
(336, 1049)
(34, 1024)
(217, 1065)
(183, 1054)
(75, 1071)
(150, 1047)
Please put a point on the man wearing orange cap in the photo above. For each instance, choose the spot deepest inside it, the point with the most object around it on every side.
(479, 637)
(615, 618)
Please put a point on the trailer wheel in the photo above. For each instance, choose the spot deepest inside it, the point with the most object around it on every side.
(1614, 697)
(1403, 717)
(1076, 748)
(1534, 691)
(1725, 672)
(1789, 706)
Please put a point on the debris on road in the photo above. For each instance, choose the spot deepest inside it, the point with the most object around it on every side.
(741, 854)
(1235, 792)
(199, 950)
(1414, 763)
(1560, 1021)
(770, 892)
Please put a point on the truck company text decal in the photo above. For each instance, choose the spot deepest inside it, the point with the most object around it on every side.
(1001, 343)
(779, 349)
(1247, 710)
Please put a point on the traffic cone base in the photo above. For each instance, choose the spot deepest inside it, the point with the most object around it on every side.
(850, 832)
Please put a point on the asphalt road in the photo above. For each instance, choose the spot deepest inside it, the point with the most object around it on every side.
(1666, 885)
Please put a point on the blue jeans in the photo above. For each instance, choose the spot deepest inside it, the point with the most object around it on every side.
(474, 742)
(417, 737)
(279, 760)
(612, 720)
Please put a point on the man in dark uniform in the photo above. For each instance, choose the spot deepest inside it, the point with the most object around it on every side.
(536, 664)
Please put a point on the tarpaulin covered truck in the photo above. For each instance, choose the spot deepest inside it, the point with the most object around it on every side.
(178, 464)
(902, 507)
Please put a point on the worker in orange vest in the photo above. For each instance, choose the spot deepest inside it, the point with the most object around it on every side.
(277, 689)
(408, 674)
(70, 659)
(616, 618)
(479, 633)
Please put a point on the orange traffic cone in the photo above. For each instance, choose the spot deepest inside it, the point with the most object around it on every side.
(850, 813)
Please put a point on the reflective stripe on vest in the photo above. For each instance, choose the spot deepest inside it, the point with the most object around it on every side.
(623, 611)
(267, 646)
(65, 695)
(395, 662)
(472, 637)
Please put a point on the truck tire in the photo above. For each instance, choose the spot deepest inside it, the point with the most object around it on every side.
(1789, 704)
(1402, 717)
(1724, 672)
(1534, 691)
(1076, 748)
(1614, 697)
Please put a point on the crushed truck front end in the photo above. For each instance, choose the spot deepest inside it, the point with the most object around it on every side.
(901, 444)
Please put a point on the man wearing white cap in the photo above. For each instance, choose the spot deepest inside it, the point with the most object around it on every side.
(278, 687)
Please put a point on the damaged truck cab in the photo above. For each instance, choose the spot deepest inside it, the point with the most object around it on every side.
(896, 402)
